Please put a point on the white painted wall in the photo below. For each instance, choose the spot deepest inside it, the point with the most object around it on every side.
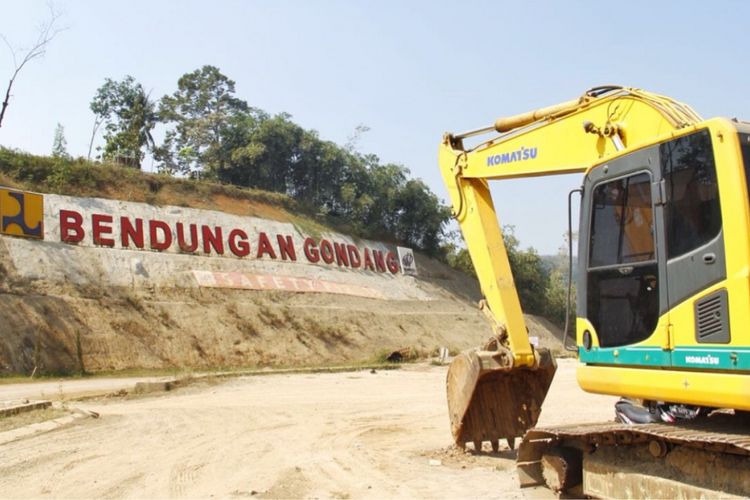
(85, 263)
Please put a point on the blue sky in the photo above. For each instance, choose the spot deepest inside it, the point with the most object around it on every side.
(408, 70)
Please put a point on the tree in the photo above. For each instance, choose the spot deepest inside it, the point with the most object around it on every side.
(205, 113)
(557, 288)
(59, 144)
(129, 116)
(352, 141)
(421, 216)
(277, 143)
(541, 283)
(382, 183)
(529, 274)
(47, 32)
(456, 255)
(349, 192)
(214, 134)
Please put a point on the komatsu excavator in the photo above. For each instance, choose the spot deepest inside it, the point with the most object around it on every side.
(662, 302)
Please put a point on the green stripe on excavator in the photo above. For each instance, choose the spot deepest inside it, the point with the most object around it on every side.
(698, 357)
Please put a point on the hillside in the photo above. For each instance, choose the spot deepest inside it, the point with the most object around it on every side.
(105, 180)
(99, 307)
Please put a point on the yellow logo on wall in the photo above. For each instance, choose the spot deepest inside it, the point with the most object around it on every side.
(21, 213)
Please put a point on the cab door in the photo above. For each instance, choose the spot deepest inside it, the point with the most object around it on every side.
(695, 253)
(695, 244)
(622, 293)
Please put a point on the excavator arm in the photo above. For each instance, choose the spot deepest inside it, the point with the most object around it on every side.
(497, 391)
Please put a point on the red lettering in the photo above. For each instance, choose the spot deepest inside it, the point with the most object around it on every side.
(368, 261)
(286, 247)
(153, 230)
(71, 226)
(354, 258)
(392, 262)
(99, 228)
(212, 240)
(264, 246)
(311, 250)
(379, 262)
(129, 233)
(341, 256)
(184, 247)
(326, 251)
(240, 248)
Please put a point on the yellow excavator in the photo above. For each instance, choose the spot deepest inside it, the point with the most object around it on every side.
(662, 296)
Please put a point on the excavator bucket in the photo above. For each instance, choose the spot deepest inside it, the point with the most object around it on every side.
(489, 400)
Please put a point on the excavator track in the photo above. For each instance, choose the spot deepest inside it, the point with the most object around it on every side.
(706, 457)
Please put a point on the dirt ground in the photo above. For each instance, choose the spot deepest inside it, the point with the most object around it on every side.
(343, 435)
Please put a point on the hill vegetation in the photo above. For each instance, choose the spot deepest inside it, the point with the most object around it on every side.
(211, 134)
(541, 281)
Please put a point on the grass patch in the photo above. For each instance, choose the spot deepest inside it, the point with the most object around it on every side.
(179, 372)
(309, 369)
(309, 227)
(30, 417)
(43, 376)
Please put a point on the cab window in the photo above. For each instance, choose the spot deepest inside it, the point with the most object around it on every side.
(622, 222)
(692, 211)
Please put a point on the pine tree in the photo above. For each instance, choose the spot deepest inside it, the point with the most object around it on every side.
(59, 145)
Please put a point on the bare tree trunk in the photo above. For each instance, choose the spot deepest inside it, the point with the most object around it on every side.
(97, 122)
(7, 100)
(47, 32)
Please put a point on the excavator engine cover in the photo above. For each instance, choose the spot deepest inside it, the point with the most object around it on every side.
(489, 399)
